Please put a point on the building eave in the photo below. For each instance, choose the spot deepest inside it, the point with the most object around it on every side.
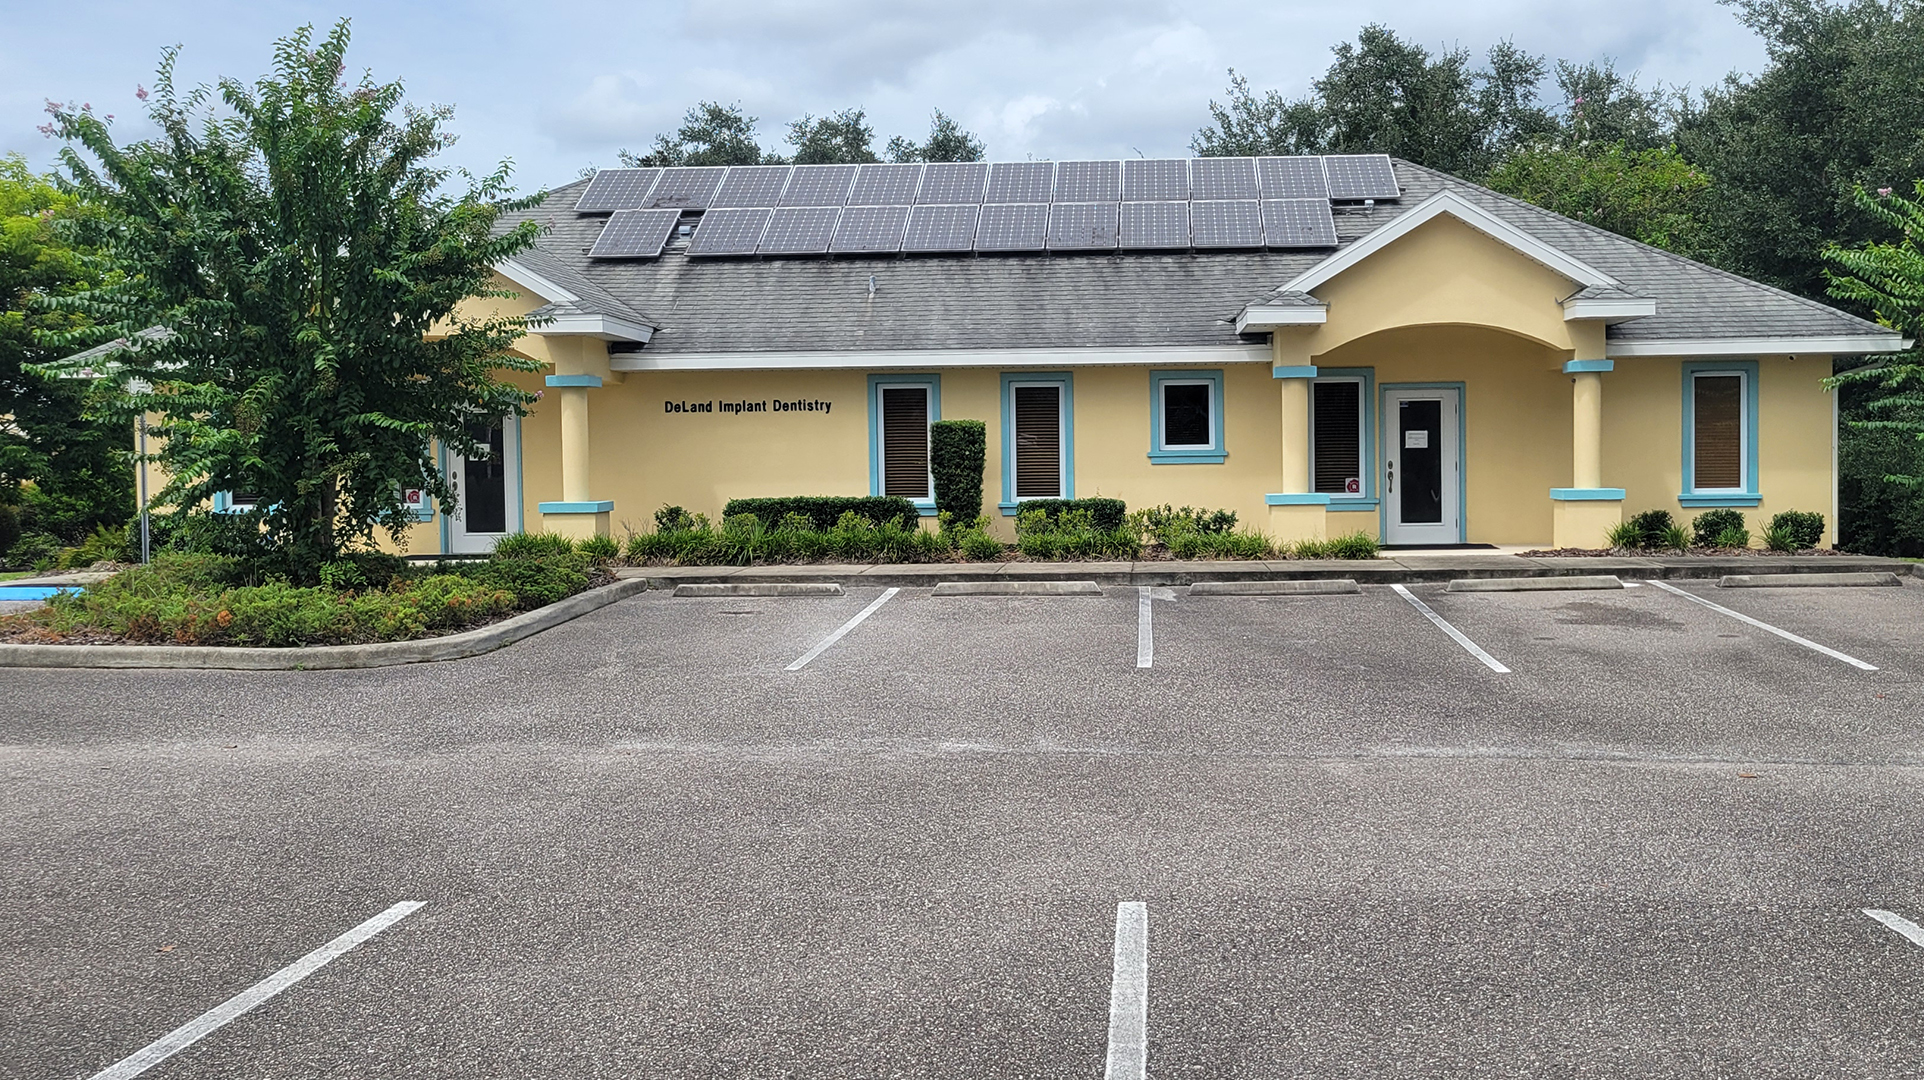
(1774, 346)
(937, 359)
(1611, 311)
(585, 324)
(1257, 318)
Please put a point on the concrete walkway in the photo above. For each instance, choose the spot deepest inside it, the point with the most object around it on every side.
(1392, 569)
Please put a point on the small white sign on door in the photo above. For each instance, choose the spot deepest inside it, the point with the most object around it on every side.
(1416, 440)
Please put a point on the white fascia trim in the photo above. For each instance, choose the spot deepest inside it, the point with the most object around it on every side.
(1834, 346)
(1449, 202)
(926, 359)
(605, 327)
(1256, 317)
(534, 283)
(1609, 311)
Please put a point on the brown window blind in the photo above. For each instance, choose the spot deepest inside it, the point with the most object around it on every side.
(905, 441)
(1718, 450)
(1038, 442)
(1336, 411)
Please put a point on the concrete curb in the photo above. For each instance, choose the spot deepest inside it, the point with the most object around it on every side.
(314, 657)
(762, 588)
(1807, 581)
(1017, 588)
(1536, 584)
(1330, 587)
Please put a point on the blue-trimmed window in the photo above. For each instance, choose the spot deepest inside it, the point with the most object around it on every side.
(900, 410)
(1720, 434)
(235, 502)
(1186, 417)
(1342, 437)
(1038, 437)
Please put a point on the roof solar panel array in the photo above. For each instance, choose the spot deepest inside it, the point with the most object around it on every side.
(1361, 176)
(800, 230)
(819, 185)
(617, 189)
(1020, 182)
(1013, 227)
(730, 231)
(870, 229)
(1293, 178)
(634, 234)
(885, 185)
(1089, 226)
(1222, 178)
(1088, 181)
(1298, 223)
(1227, 223)
(752, 185)
(1155, 225)
(685, 189)
(954, 182)
(1155, 179)
(941, 228)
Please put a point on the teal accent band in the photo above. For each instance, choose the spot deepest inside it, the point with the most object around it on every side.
(1296, 498)
(1571, 367)
(574, 380)
(600, 507)
(1587, 494)
(1719, 498)
(1299, 371)
(1187, 457)
(1340, 505)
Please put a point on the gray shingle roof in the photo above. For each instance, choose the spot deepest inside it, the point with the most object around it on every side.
(1065, 301)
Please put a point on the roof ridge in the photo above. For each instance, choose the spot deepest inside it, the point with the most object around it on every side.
(1667, 254)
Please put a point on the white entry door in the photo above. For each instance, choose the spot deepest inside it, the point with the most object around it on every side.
(1422, 466)
(487, 487)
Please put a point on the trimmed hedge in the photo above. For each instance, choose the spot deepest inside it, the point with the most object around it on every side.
(1107, 515)
(823, 511)
(1795, 530)
(958, 450)
(1710, 528)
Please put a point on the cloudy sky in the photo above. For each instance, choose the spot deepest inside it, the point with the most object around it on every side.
(561, 85)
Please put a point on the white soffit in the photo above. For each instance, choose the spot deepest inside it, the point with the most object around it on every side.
(935, 359)
(1834, 346)
(1612, 310)
(1456, 206)
(1259, 317)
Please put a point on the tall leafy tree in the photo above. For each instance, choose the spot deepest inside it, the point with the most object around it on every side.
(70, 470)
(1604, 106)
(710, 134)
(840, 138)
(303, 256)
(1652, 195)
(947, 141)
(1887, 277)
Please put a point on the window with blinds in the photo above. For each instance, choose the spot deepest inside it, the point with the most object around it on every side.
(1038, 442)
(905, 442)
(1717, 449)
(1186, 421)
(1336, 423)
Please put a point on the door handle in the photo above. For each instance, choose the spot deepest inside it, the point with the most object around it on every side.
(1390, 485)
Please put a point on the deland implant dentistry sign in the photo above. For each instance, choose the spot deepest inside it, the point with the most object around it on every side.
(737, 408)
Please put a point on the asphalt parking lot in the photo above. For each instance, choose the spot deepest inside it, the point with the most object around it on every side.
(642, 846)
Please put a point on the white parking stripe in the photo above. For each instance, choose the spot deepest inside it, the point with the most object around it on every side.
(1900, 924)
(1145, 635)
(1129, 995)
(194, 1030)
(1475, 650)
(1761, 625)
(822, 645)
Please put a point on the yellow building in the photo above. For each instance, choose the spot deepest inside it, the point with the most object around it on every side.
(1323, 345)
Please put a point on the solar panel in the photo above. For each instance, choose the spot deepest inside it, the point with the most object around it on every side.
(1155, 179)
(1089, 226)
(1013, 227)
(941, 228)
(1298, 223)
(634, 234)
(1088, 181)
(1222, 178)
(1361, 176)
(800, 230)
(729, 231)
(1155, 225)
(1227, 224)
(616, 189)
(1293, 178)
(687, 189)
(751, 185)
(885, 185)
(1020, 182)
(953, 182)
(819, 185)
(871, 228)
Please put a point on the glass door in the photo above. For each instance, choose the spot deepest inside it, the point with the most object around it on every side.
(487, 486)
(1422, 467)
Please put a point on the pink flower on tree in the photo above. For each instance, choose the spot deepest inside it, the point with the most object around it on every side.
(1883, 193)
(140, 92)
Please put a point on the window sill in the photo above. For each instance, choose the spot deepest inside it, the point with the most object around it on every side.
(1719, 498)
(1338, 504)
(926, 509)
(1008, 508)
(1187, 457)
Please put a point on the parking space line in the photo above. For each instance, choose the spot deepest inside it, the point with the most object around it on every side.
(1761, 625)
(1899, 923)
(1129, 995)
(220, 1015)
(1474, 649)
(1145, 635)
(822, 645)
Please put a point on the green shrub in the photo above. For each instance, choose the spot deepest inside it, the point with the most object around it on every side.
(33, 551)
(533, 581)
(823, 511)
(1220, 545)
(1738, 537)
(1074, 533)
(1105, 514)
(977, 545)
(202, 533)
(1708, 528)
(600, 550)
(526, 545)
(9, 530)
(1651, 527)
(342, 575)
(1159, 523)
(1356, 545)
(1674, 539)
(958, 450)
(673, 519)
(1795, 530)
(1624, 534)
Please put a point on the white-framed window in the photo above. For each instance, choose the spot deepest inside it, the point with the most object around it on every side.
(1038, 440)
(1720, 435)
(1186, 417)
(1339, 444)
(901, 408)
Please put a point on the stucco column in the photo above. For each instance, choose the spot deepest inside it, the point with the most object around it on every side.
(577, 514)
(1583, 514)
(1295, 513)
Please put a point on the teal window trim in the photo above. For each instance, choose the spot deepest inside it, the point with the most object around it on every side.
(1366, 401)
(1462, 453)
(1213, 454)
(930, 381)
(1066, 381)
(1750, 494)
